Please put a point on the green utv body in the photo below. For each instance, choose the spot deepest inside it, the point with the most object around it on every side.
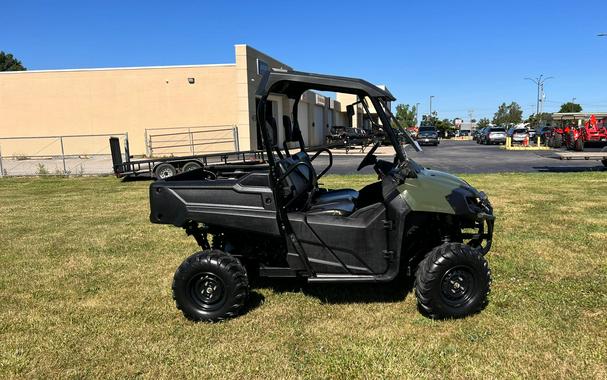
(276, 220)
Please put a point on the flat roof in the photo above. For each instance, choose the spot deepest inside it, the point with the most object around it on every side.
(118, 68)
(577, 115)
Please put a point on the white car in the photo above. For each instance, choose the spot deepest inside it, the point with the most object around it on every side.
(518, 134)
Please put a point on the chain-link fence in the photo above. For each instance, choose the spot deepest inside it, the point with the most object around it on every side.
(57, 155)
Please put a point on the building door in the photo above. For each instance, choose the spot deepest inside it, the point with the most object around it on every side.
(302, 120)
(318, 126)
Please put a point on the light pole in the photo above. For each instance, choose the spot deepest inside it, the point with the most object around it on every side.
(417, 114)
(431, 96)
(539, 81)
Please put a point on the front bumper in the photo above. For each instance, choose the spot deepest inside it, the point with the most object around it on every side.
(427, 140)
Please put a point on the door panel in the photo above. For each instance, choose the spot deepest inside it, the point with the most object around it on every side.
(358, 241)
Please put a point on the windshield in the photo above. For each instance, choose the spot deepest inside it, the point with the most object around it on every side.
(401, 133)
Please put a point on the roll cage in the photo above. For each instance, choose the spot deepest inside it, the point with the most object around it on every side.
(293, 84)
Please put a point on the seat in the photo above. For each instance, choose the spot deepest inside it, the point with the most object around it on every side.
(330, 196)
(298, 189)
(339, 208)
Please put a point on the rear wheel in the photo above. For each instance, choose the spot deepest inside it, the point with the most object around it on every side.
(191, 166)
(453, 281)
(210, 286)
(557, 141)
(163, 171)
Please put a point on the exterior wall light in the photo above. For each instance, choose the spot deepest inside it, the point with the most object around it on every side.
(191, 80)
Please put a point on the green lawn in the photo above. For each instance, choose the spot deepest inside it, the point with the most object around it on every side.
(85, 292)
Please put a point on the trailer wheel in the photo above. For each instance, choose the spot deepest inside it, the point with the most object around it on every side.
(210, 286)
(165, 170)
(452, 281)
(557, 141)
(192, 165)
(579, 145)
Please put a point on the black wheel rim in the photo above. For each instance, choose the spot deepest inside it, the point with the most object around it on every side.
(207, 291)
(458, 285)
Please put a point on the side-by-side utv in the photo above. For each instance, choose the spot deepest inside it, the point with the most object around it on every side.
(277, 220)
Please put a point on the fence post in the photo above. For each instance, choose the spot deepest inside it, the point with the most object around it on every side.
(191, 141)
(235, 136)
(63, 155)
(127, 150)
(147, 144)
(1, 167)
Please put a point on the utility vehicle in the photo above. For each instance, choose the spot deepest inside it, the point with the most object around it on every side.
(278, 221)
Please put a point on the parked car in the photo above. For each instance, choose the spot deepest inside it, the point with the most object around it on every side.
(544, 132)
(477, 134)
(464, 133)
(493, 135)
(518, 134)
(427, 135)
(341, 136)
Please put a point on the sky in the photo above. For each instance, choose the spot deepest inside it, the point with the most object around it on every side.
(470, 55)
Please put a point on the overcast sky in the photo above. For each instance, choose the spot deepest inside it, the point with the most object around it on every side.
(471, 55)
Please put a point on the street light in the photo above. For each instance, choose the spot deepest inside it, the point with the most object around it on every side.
(417, 114)
(540, 86)
(431, 96)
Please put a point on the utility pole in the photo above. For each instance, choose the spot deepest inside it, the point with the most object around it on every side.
(539, 81)
(431, 96)
(417, 115)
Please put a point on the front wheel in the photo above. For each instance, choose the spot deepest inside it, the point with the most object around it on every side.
(210, 286)
(165, 170)
(453, 281)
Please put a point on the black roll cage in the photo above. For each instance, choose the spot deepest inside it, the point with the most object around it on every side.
(293, 85)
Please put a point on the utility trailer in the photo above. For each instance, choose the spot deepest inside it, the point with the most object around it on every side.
(602, 156)
(233, 163)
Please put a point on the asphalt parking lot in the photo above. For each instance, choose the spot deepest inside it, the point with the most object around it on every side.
(470, 157)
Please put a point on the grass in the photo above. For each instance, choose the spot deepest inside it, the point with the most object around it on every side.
(85, 293)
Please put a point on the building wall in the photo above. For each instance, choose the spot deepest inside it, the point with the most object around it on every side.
(115, 101)
(248, 79)
(133, 100)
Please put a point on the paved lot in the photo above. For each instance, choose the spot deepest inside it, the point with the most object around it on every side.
(470, 157)
(450, 156)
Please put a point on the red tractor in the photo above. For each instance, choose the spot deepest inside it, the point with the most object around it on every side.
(593, 130)
(554, 138)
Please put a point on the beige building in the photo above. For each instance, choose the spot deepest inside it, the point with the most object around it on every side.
(165, 110)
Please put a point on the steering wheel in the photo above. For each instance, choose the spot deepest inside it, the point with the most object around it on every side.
(370, 158)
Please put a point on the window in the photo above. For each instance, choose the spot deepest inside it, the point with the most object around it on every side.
(262, 67)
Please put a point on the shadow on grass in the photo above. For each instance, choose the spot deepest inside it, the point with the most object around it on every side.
(137, 178)
(394, 291)
(569, 169)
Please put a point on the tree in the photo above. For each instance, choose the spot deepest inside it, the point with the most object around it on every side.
(482, 123)
(535, 120)
(10, 63)
(508, 114)
(406, 115)
(571, 107)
